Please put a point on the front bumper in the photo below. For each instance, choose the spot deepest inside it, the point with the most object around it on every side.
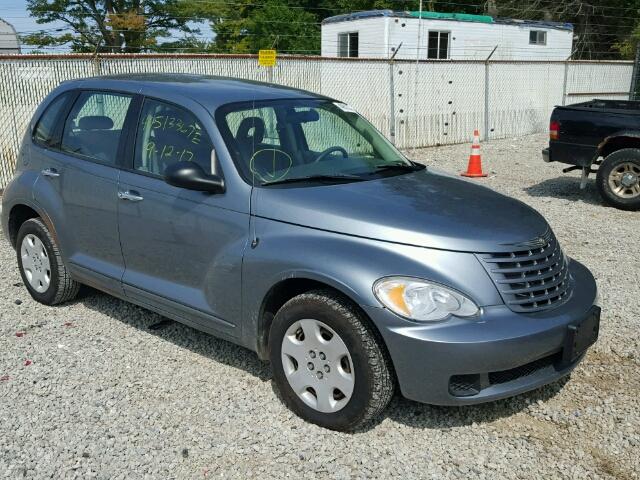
(500, 353)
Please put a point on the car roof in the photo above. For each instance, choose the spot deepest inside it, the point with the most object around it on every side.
(210, 91)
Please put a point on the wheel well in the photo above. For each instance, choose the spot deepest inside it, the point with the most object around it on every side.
(618, 143)
(18, 215)
(280, 294)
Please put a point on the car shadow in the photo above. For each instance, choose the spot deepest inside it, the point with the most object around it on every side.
(418, 415)
(183, 336)
(566, 188)
(401, 410)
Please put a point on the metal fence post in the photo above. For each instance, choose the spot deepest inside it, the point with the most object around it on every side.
(392, 106)
(564, 82)
(633, 89)
(392, 98)
(96, 62)
(486, 94)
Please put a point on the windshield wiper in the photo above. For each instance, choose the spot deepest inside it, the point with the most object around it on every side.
(313, 178)
(410, 167)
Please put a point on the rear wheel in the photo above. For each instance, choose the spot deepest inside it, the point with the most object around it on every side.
(41, 267)
(618, 179)
(328, 363)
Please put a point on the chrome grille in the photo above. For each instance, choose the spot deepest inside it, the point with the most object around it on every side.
(533, 278)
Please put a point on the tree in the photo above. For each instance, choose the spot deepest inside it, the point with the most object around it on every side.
(290, 26)
(105, 25)
(246, 26)
(602, 30)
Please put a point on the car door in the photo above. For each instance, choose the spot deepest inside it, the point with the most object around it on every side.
(83, 170)
(182, 248)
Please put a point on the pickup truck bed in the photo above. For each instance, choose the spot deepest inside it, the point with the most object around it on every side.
(593, 134)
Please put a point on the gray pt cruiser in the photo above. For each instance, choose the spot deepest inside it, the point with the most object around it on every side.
(283, 221)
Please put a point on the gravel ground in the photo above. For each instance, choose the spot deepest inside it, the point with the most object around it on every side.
(88, 390)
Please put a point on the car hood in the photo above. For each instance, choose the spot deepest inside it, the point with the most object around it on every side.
(425, 208)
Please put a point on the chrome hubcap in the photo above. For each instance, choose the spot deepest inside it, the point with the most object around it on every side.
(35, 263)
(624, 180)
(318, 365)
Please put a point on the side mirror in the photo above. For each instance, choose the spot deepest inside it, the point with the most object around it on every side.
(191, 176)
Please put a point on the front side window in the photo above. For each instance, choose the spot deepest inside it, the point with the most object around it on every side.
(44, 132)
(438, 45)
(168, 134)
(348, 44)
(94, 126)
(288, 140)
(537, 37)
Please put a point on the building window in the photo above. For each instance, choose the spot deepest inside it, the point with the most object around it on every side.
(348, 44)
(438, 45)
(537, 37)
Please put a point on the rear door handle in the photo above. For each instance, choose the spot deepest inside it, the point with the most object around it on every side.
(130, 195)
(50, 172)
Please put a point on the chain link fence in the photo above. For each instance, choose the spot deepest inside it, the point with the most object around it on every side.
(415, 104)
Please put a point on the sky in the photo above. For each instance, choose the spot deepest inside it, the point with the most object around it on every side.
(15, 12)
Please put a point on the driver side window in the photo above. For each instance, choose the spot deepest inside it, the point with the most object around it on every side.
(168, 134)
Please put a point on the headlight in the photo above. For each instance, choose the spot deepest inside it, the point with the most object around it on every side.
(422, 300)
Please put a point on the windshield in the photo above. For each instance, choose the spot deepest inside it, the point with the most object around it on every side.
(283, 141)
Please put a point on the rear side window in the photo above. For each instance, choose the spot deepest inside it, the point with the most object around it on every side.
(168, 134)
(94, 126)
(44, 132)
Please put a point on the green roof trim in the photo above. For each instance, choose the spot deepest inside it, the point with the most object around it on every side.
(461, 17)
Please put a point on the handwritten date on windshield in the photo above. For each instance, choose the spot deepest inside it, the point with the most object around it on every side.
(169, 151)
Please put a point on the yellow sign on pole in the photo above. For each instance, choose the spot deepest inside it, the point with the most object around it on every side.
(267, 58)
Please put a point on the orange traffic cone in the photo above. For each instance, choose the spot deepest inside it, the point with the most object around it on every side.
(474, 169)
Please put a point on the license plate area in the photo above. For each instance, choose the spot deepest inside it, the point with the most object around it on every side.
(581, 335)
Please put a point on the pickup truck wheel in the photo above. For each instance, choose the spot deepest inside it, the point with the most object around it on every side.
(618, 179)
(41, 267)
(328, 363)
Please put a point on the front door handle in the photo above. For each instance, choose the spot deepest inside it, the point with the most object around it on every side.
(50, 172)
(130, 195)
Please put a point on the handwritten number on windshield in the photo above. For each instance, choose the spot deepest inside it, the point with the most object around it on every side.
(169, 151)
(192, 131)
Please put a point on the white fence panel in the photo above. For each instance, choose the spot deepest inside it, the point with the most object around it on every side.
(363, 85)
(522, 96)
(605, 80)
(438, 103)
(430, 103)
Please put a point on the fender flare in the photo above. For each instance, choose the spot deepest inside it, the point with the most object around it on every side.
(39, 210)
(262, 323)
(632, 134)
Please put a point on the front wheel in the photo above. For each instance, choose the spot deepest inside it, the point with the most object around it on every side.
(618, 179)
(328, 363)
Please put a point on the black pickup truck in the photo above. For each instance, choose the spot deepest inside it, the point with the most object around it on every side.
(601, 137)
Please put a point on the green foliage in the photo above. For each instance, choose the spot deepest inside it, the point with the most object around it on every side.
(604, 29)
(627, 47)
(105, 25)
(294, 30)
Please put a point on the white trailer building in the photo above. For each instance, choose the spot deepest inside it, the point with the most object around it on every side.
(9, 42)
(444, 36)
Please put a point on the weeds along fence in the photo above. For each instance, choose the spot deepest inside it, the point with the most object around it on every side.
(414, 104)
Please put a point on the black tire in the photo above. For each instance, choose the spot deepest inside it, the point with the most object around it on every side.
(374, 378)
(609, 165)
(62, 287)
